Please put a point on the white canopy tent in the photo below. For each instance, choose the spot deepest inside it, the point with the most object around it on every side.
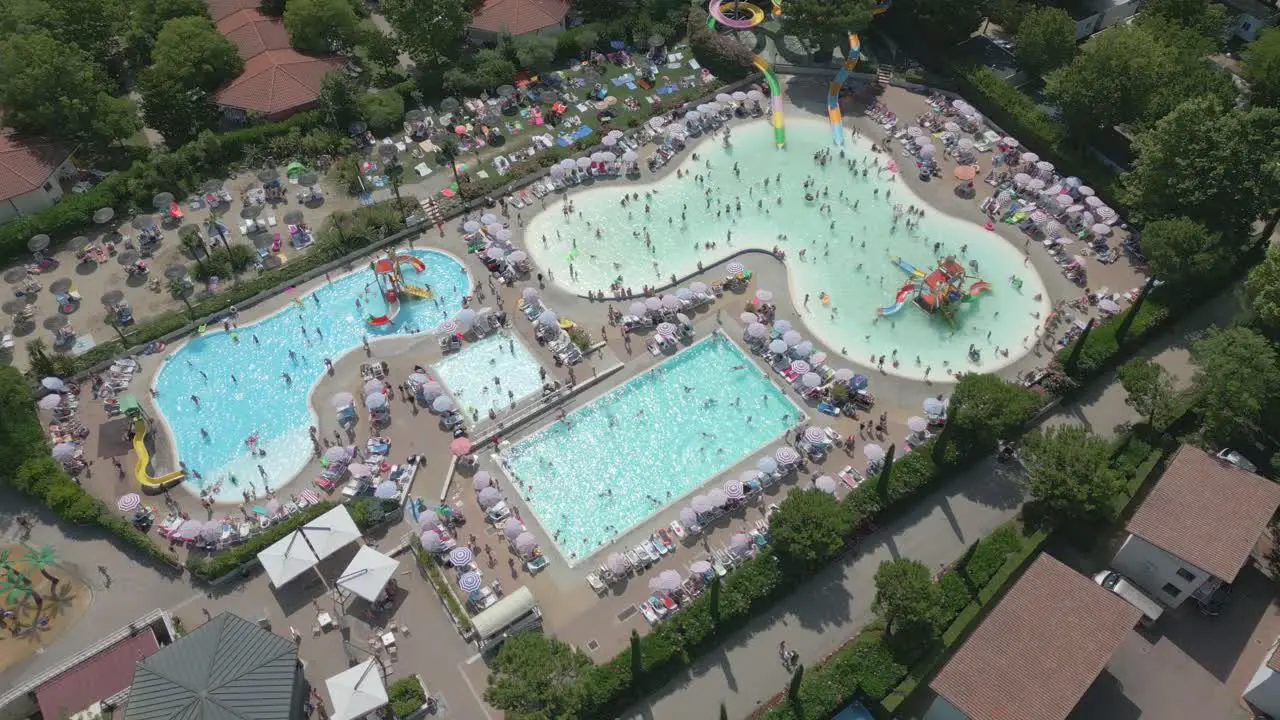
(357, 691)
(288, 558)
(368, 573)
(331, 532)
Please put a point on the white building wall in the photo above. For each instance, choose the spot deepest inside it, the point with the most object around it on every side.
(34, 201)
(1151, 568)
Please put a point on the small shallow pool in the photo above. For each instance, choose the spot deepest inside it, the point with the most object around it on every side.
(490, 375)
(615, 462)
(238, 377)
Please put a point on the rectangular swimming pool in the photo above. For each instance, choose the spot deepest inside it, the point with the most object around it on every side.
(490, 374)
(615, 462)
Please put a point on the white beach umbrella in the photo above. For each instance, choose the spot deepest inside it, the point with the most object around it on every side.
(777, 346)
(757, 330)
(792, 338)
(811, 380)
(873, 452)
(781, 325)
(826, 484)
(917, 424)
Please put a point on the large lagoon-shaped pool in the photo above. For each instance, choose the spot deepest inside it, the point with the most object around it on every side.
(617, 461)
(240, 385)
(849, 245)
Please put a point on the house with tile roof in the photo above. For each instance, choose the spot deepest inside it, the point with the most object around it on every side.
(30, 168)
(277, 80)
(1196, 528)
(519, 17)
(1037, 652)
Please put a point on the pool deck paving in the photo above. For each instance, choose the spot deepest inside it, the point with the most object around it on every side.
(824, 615)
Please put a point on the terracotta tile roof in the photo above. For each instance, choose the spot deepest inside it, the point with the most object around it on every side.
(26, 162)
(1273, 660)
(277, 81)
(254, 33)
(1039, 649)
(220, 9)
(519, 16)
(97, 678)
(1207, 512)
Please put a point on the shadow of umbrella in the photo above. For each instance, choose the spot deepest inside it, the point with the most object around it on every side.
(38, 243)
(102, 216)
(143, 222)
(293, 217)
(449, 105)
(266, 175)
(55, 322)
(15, 275)
(415, 116)
(213, 186)
(112, 297)
(177, 271)
(162, 201)
(386, 152)
(657, 41)
(272, 261)
(506, 91)
(249, 212)
(79, 243)
(128, 257)
(357, 128)
(307, 179)
(60, 286)
(13, 307)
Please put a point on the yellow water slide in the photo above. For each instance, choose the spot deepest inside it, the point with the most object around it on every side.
(144, 459)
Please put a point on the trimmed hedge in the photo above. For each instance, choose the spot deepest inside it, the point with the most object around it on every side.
(180, 172)
(406, 696)
(429, 567)
(224, 563)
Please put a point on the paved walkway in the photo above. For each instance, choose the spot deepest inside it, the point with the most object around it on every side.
(825, 613)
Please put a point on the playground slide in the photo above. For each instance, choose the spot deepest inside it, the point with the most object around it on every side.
(415, 290)
(833, 92)
(393, 308)
(144, 459)
(775, 93)
(412, 260)
(907, 267)
(891, 309)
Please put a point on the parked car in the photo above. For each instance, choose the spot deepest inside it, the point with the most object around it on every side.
(1237, 459)
(1122, 586)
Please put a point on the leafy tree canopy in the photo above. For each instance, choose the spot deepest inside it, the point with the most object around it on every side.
(382, 110)
(535, 52)
(428, 30)
(984, 409)
(1262, 68)
(535, 677)
(1181, 250)
(906, 595)
(1046, 40)
(339, 100)
(808, 529)
(824, 25)
(1206, 161)
(192, 53)
(321, 26)
(1202, 18)
(174, 110)
(1238, 380)
(379, 47)
(941, 22)
(1068, 470)
(147, 19)
(1150, 390)
(1264, 292)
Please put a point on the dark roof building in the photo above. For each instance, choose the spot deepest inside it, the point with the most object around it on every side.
(1038, 650)
(227, 669)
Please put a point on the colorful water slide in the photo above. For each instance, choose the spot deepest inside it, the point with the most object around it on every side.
(393, 308)
(977, 289)
(413, 260)
(775, 89)
(833, 92)
(416, 290)
(907, 267)
(144, 459)
(904, 293)
(890, 309)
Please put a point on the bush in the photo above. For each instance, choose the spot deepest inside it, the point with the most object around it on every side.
(226, 562)
(724, 56)
(990, 554)
(367, 512)
(226, 262)
(427, 564)
(179, 172)
(383, 110)
(406, 696)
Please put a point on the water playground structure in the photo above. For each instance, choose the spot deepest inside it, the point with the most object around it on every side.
(131, 409)
(939, 292)
(396, 287)
(739, 15)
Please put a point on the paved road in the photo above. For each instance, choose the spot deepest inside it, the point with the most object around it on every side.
(827, 611)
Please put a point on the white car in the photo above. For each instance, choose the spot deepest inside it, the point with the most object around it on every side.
(1237, 459)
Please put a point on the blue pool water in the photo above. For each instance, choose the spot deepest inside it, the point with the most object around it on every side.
(848, 246)
(650, 441)
(469, 375)
(259, 400)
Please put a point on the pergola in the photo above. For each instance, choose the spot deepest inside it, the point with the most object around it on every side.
(358, 690)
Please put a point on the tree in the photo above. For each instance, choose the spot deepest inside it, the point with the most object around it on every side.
(91, 26)
(985, 409)
(191, 52)
(114, 122)
(339, 100)
(429, 30)
(449, 150)
(906, 597)
(1111, 81)
(1262, 68)
(1202, 18)
(637, 659)
(147, 19)
(793, 687)
(180, 290)
(49, 88)
(1069, 474)
(1263, 288)
(823, 25)
(492, 68)
(379, 48)
(1238, 381)
(808, 529)
(174, 110)
(714, 602)
(1046, 40)
(941, 22)
(383, 110)
(1205, 161)
(43, 559)
(1182, 251)
(1149, 389)
(535, 677)
(535, 52)
(321, 26)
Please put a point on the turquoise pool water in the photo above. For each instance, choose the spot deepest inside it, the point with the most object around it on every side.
(610, 465)
(490, 374)
(241, 389)
(859, 278)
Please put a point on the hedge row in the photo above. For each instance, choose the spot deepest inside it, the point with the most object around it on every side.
(181, 172)
(431, 569)
(208, 567)
(24, 449)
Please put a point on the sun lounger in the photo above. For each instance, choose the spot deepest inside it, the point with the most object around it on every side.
(648, 613)
(663, 601)
(594, 581)
(719, 566)
(677, 528)
(634, 558)
(647, 555)
(657, 606)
